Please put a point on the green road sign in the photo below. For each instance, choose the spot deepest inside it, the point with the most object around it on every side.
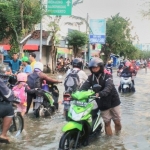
(59, 7)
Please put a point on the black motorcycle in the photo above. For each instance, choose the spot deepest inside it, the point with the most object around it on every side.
(17, 122)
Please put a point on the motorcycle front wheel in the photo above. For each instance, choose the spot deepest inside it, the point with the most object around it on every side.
(68, 140)
(17, 125)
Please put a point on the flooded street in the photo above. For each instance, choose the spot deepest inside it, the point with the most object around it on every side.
(44, 134)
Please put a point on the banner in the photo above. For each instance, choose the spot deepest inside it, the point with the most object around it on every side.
(98, 34)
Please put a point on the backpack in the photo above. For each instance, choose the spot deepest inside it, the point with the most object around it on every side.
(72, 81)
(20, 93)
(34, 80)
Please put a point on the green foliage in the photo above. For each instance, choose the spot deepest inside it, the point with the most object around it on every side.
(118, 37)
(146, 11)
(77, 39)
(17, 19)
(144, 54)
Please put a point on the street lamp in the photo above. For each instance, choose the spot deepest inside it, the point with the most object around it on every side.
(41, 35)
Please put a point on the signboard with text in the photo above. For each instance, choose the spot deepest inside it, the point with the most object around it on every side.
(59, 7)
(98, 27)
(97, 39)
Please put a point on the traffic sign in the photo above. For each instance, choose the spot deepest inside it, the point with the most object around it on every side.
(59, 7)
(97, 39)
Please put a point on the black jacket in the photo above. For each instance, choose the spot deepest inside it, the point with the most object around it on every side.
(127, 72)
(108, 93)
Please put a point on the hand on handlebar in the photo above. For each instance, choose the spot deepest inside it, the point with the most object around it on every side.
(97, 94)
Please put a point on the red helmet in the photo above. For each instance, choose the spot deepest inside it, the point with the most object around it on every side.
(127, 64)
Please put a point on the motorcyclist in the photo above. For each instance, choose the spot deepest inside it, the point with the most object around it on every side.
(121, 65)
(109, 66)
(128, 71)
(77, 64)
(109, 102)
(6, 110)
(39, 76)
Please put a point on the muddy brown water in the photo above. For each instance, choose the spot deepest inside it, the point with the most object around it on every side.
(45, 133)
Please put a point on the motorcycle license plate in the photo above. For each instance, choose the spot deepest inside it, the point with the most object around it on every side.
(66, 102)
(38, 99)
(125, 86)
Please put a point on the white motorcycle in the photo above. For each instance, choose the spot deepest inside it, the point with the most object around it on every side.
(126, 85)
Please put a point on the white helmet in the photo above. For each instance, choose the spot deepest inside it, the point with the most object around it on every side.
(38, 65)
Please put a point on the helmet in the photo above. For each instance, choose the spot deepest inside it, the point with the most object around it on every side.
(96, 62)
(128, 64)
(25, 59)
(77, 62)
(22, 77)
(38, 65)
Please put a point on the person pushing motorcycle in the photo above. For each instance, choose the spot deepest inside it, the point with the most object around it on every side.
(35, 81)
(109, 102)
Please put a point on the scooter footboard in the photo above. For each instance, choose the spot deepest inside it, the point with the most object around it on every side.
(72, 125)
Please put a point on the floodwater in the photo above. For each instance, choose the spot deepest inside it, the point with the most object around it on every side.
(44, 134)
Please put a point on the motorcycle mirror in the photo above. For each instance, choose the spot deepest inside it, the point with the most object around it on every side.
(96, 88)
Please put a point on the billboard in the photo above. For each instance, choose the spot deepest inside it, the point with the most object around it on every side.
(98, 28)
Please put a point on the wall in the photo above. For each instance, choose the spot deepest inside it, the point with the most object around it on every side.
(45, 55)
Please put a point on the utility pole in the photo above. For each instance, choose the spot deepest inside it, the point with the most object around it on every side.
(86, 46)
(41, 36)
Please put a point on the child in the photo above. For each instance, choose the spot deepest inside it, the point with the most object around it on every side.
(19, 91)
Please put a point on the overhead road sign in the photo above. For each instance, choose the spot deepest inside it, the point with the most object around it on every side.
(59, 7)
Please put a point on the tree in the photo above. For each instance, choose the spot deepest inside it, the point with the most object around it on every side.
(146, 11)
(17, 19)
(54, 28)
(118, 37)
(77, 39)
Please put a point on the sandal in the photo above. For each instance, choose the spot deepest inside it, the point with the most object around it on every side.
(2, 140)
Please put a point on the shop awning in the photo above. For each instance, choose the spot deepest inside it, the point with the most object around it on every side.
(5, 47)
(25, 47)
(31, 47)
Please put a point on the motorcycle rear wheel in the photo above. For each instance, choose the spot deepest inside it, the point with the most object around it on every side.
(67, 141)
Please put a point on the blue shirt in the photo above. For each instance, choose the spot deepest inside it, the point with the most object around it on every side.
(15, 65)
(27, 69)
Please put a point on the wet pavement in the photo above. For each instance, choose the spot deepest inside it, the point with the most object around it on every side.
(45, 133)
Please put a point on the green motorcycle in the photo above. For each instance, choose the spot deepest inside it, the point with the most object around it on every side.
(83, 122)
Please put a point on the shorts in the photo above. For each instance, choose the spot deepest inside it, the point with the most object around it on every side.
(6, 110)
(21, 108)
(112, 113)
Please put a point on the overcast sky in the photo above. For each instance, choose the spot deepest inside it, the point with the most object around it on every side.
(98, 9)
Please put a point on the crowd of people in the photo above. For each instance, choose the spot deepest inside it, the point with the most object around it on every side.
(29, 70)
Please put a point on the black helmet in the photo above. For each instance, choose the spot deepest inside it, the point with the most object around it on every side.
(77, 62)
(96, 62)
